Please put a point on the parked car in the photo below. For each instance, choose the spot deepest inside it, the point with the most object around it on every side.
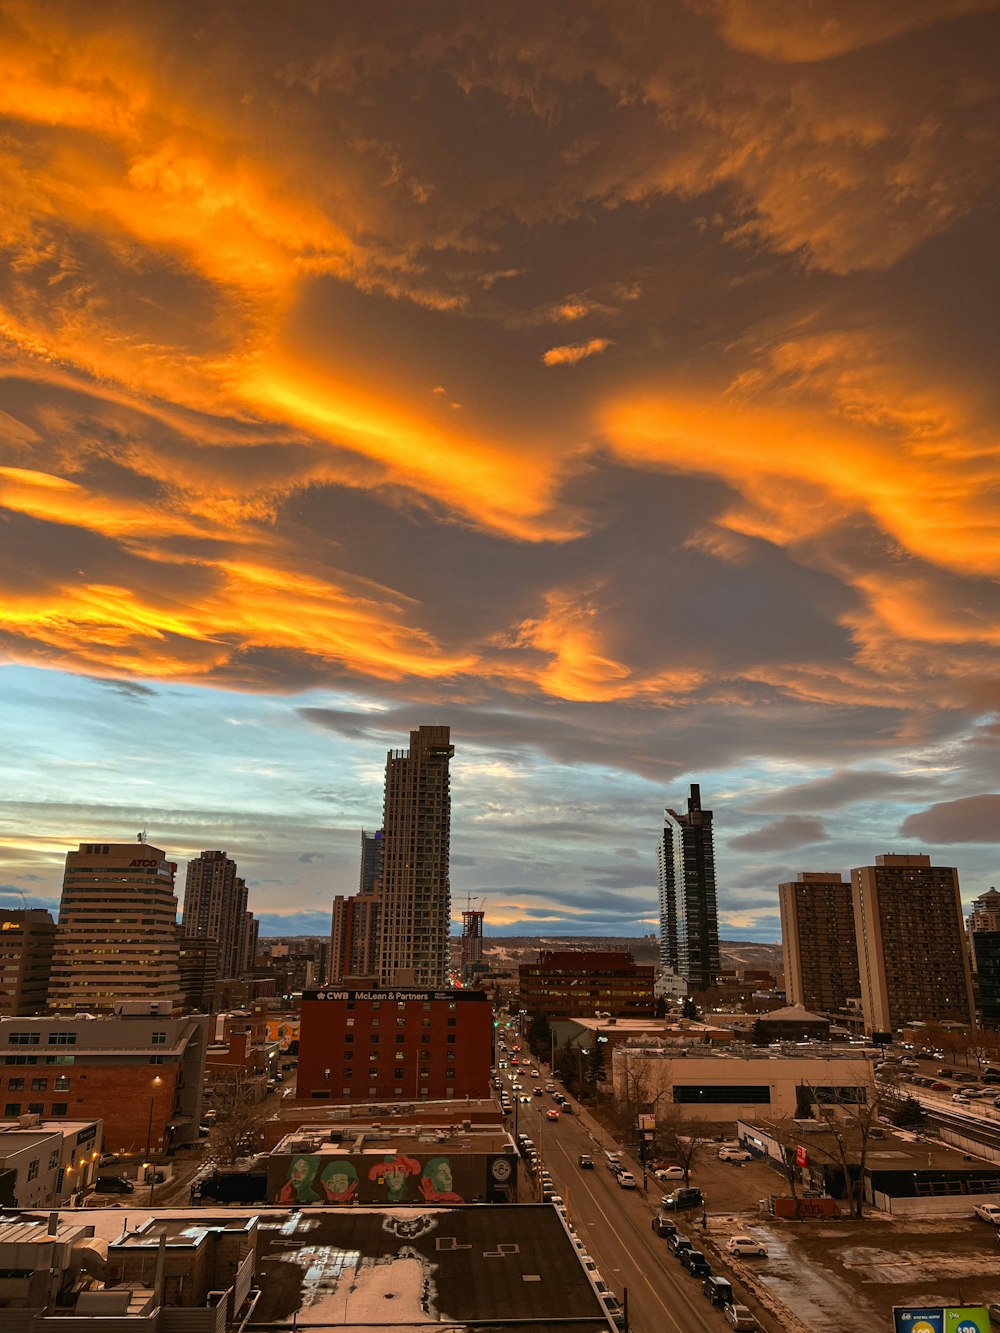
(677, 1243)
(741, 1318)
(688, 1197)
(669, 1173)
(993, 1310)
(566, 1107)
(940, 1087)
(663, 1228)
(944, 1073)
(586, 1161)
(733, 1155)
(719, 1290)
(746, 1245)
(965, 1076)
(113, 1185)
(108, 1159)
(614, 1309)
(626, 1180)
(988, 1212)
(613, 1160)
(959, 1097)
(696, 1263)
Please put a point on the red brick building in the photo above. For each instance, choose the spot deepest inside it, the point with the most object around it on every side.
(575, 983)
(139, 1071)
(394, 1045)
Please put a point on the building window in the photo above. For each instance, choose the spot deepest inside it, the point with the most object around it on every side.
(452, 1022)
(450, 1055)
(400, 1038)
(345, 1092)
(21, 1059)
(60, 1059)
(15, 1085)
(723, 1094)
(62, 1038)
(348, 1037)
(12, 1108)
(159, 1039)
(53, 1161)
(425, 1022)
(39, 1085)
(451, 1038)
(156, 1059)
(36, 1108)
(398, 1073)
(401, 1022)
(33, 1169)
(320, 1095)
(350, 1021)
(61, 1084)
(425, 1039)
(23, 1039)
(60, 1108)
(375, 1022)
(449, 1073)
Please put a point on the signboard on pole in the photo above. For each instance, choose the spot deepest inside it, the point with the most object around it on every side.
(966, 1319)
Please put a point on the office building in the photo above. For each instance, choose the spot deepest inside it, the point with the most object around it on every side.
(577, 983)
(912, 957)
(138, 1070)
(394, 1045)
(116, 939)
(215, 907)
(819, 942)
(688, 912)
(198, 961)
(415, 911)
(27, 938)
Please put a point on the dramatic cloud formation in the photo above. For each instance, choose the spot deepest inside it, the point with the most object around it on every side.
(297, 449)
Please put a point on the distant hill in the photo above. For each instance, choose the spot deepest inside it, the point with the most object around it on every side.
(506, 952)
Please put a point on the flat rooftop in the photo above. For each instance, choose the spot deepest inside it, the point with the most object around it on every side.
(336, 1139)
(400, 1268)
(897, 1151)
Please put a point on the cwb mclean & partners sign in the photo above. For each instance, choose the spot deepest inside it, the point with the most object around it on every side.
(940, 1319)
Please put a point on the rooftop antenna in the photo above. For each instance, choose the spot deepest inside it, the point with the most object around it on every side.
(141, 836)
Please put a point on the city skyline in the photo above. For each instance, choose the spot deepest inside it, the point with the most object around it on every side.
(614, 385)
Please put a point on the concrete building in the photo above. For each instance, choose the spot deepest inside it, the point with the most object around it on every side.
(415, 912)
(116, 939)
(985, 911)
(215, 907)
(241, 1051)
(688, 911)
(54, 1160)
(730, 1085)
(394, 1045)
(138, 1071)
(819, 941)
(913, 962)
(567, 983)
(27, 938)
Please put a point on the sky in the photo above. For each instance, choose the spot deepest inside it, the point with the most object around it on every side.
(614, 383)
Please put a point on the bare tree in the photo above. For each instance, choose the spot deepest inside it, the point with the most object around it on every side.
(239, 1131)
(680, 1138)
(849, 1118)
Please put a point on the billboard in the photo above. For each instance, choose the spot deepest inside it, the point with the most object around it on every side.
(941, 1319)
(332, 1177)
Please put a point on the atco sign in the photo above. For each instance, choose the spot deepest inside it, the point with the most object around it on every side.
(153, 864)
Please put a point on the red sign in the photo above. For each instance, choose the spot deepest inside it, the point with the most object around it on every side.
(801, 1156)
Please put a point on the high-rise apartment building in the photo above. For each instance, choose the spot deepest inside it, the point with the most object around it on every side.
(415, 911)
(819, 942)
(27, 938)
(116, 939)
(687, 869)
(215, 907)
(985, 913)
(354, 934)
(912, 958)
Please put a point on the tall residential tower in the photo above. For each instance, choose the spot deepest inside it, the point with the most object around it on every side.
(215, 908)
(819, 941)
(688, 915)
(415, 911)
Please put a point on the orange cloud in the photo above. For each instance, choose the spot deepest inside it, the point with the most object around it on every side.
(571, 353)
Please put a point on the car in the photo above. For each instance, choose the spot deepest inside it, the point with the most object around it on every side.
(741, 1319)
(688, 1197)
(626, 1180)
(537, 1092)
(996, 1101)
(940, 1087)
(696, 1263)
(566, 1107)
(586, 1161)
(988, 1212)
(552, 1115)
(613, 1160)
(964, 1076)
(534, 1073)
(113, 1185)
(959, 1097)
(746, 1245)
(663, 1228)
(677, 1243)
(615, 1311)
(669, 1173)
(944, 1073)
(991, 1078)
(550, 1087)
(109, 1158)
(515, 1086)
(733, 1155)
(719, 1290)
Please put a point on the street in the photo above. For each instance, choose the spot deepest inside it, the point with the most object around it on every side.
(614, 1223)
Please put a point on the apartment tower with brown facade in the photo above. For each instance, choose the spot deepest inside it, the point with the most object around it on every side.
(819, 942)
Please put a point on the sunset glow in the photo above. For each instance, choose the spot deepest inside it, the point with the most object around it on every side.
(619, 390)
